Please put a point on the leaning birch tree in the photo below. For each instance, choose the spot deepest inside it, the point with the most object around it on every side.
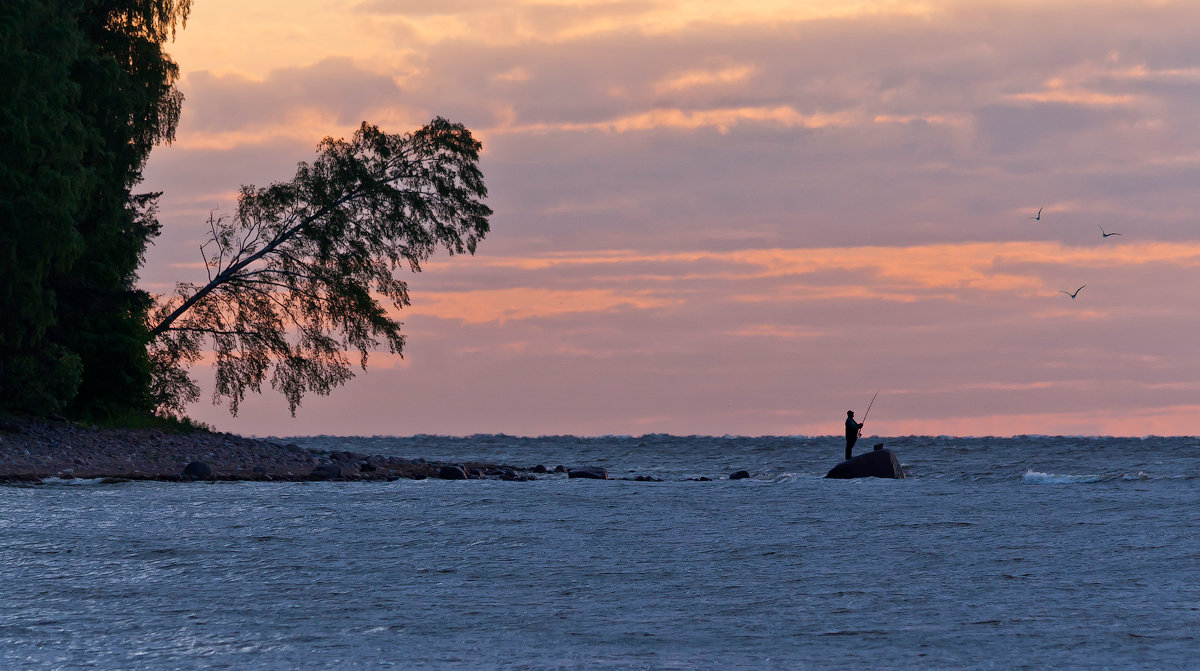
(298, 276)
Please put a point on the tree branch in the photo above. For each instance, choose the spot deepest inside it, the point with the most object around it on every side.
(229, 272)
(211, 331)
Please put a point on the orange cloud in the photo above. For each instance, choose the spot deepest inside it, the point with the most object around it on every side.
(778, 331)
(380, 361)
(898, 274)
(302, 125)
(697, 78)
(515, 74)
(721, 119)
(542, 21)
(1163, 74)
(943, 272)
(500, 305)
(954, 120)
(1074, 96)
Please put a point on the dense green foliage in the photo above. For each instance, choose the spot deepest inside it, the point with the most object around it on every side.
(42, 185)
(294, 276)
(89, 91)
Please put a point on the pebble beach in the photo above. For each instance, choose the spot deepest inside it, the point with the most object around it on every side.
(33, 451)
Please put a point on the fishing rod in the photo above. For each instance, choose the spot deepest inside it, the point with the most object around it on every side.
(869, 408)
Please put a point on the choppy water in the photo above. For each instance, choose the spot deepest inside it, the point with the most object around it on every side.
(1029, 552)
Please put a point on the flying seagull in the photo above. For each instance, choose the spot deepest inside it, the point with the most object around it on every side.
(1072, 295)
(1105, 234)
(1039, 215)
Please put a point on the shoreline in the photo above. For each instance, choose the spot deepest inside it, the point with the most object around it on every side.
(32, 451)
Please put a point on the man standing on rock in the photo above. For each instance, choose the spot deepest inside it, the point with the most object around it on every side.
(853, 431)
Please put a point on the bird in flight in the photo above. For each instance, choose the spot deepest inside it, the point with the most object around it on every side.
(1039, 215)
(1071, 294)
(1102, 233)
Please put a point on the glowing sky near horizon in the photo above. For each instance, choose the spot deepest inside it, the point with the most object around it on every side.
(741, 218)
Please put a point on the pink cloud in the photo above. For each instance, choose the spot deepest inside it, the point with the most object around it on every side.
(746, 218)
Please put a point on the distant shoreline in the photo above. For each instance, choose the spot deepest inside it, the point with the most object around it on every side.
(33, 451)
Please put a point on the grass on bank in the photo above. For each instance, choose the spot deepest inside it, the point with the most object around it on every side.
(183, 425)
(178, 425)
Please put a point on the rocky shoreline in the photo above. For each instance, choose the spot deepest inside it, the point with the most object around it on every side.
(34, 451)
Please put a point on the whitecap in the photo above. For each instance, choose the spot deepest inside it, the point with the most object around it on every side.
(73, 481)
(1039, 478)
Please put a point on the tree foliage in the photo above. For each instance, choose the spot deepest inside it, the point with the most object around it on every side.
(297, 275)
(88, 91)
(43, 180)
(129, 101)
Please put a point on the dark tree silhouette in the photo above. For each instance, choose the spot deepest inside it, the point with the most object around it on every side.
(88, 91)
(295, 276)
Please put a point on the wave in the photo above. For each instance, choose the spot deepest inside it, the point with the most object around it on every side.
(76, 482)
(1036, 477)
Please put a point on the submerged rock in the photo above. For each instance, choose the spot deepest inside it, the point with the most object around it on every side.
(588, 472)
(449, 472)
(740, 475)
(197, 469)
(878, 463)
(331, 471)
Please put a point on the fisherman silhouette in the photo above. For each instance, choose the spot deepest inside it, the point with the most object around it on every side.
(853, 430)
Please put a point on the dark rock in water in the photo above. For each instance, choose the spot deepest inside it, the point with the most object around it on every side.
(326, 472)
(449, 472)
(740, 475)
(197, 469)
(878, 463)
(589, 472)
(560, 469)
(540, 469)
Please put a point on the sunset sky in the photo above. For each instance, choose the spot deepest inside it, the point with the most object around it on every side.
(741, 218)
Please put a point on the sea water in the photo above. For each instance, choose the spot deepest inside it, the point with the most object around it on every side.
(1028, 552)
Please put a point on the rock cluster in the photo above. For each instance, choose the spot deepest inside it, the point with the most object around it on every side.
(31, 451)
